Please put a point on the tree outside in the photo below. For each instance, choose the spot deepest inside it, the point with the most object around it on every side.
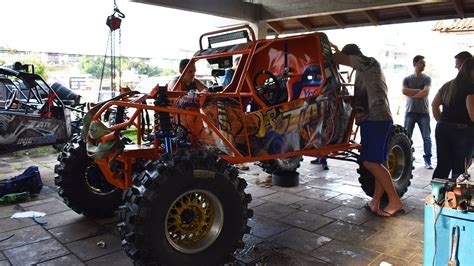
(41, 68)
(142, 68)
(31, 58)
(93, 65)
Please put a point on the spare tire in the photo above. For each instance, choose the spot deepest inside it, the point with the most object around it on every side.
(65, 94)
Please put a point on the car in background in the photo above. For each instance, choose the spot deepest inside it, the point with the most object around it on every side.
(32, 113)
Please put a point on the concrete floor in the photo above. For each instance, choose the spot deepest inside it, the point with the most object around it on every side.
(322, 221)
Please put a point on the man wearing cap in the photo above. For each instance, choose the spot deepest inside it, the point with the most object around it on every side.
(375, 120)
(417, 87)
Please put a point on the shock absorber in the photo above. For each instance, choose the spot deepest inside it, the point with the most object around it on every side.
(163, 126)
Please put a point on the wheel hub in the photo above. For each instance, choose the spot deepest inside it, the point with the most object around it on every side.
(96, 182)
(194, 221)
(187, 216)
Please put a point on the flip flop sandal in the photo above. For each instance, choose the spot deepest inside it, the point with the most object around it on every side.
(383, 213)
(367, 207)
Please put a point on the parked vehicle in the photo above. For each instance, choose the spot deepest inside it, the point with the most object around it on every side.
(32, 113)
(179, 199)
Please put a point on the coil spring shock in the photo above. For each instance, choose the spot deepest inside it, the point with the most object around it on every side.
(163, 126)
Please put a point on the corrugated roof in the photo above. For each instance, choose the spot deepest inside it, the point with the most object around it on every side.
(466, 24)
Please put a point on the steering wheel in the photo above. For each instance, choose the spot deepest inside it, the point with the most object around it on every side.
(266, 91)
(11, 99)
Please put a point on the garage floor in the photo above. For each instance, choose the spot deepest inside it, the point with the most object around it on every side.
(322, 221)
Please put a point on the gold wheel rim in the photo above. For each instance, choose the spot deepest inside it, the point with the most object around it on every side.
(396, 160)
(194, 221)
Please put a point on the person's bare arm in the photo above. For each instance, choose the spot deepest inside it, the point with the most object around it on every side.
(409, 92)
(341, 59)
(423, 93)
(470, 106)
(200, 86)
(414, 93)
(435, 106)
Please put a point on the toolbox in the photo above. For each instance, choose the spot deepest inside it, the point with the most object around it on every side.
(448, 236)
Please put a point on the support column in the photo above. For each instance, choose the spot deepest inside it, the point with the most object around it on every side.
(260, 28)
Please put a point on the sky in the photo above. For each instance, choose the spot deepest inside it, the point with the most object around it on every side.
(73, 26)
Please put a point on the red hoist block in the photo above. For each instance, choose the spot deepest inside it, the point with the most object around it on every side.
(113, 22)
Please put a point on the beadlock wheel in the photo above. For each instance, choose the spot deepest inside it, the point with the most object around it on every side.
(194, 221)
(193, 211)
(396, 161)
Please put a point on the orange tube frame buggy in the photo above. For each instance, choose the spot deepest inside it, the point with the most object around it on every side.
(241, 121)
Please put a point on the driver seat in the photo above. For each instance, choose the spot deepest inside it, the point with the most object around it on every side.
(312, 77)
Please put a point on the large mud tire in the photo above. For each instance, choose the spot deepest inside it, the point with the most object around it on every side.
(281, 165)
(400, 164)
(81, 183)
(193, 212)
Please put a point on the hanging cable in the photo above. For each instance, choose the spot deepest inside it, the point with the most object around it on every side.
(103, 67)
(113, 22)
(120, 58)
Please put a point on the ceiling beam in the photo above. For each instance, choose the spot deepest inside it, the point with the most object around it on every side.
(414, 13)
(274, 10)
(276, 27)
(459, 8)
(392, 21)
(338, 20)
(305, 23)
(234, 9)
(372, 17)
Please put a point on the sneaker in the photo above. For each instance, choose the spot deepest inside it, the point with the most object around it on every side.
(315, 161)
(325, 167)
(428, 166)
(242, 166)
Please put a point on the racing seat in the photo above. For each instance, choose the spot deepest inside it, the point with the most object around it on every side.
(311, 77)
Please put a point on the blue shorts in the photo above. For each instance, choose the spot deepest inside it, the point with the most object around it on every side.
(375, 141)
